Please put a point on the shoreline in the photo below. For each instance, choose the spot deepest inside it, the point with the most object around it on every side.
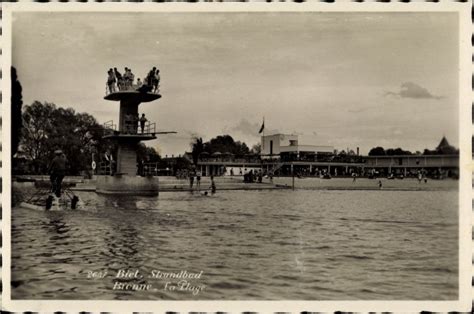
(171, 184)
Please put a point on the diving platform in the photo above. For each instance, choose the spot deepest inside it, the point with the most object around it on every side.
(137, 137)
(132, 95)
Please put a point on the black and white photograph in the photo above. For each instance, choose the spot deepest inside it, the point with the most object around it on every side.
(299, 155)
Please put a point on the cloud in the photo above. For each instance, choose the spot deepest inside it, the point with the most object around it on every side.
(361, 109)
(246, 128)
(397, 132)
(412, 90)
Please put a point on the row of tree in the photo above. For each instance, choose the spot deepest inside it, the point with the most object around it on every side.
(380, 151)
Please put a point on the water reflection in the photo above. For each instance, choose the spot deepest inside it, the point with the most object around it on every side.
(302, 244)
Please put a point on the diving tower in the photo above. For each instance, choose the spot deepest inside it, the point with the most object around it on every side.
(128, 135)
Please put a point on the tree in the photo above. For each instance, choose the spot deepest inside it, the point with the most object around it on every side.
(426, 151)
(256, 149)
(152, 155)
(47, 128)
(16, 104)
(397, 152)
(147, 154)
(226, 144)
(241, 148)
(197, 147)
(377, 151)
(37, 128)
(78, 135)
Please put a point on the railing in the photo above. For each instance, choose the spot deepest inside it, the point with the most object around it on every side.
(150, 128)
(124, 86)
(109, 127)
(132, 126)
(324, 158)
(231, 159)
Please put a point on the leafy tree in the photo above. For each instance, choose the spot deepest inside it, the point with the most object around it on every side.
(152, 155)
(226, 144)
(147, 154)
(16, 104)
(397, 151)
(197, 147)
(256, 149)
(380, 151)
(241, 148)
(37, 128)
(47, 128)
(377, 151)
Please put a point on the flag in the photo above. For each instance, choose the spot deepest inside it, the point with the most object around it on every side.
(262, 127)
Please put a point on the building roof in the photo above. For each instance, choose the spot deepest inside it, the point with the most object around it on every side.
(443, 144)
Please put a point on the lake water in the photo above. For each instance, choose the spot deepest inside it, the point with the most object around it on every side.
(250, 245)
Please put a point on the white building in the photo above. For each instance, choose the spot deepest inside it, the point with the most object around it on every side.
(274, 145)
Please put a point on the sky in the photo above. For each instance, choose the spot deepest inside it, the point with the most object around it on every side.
(342, 79)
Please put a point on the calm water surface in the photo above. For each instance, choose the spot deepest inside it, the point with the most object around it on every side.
(251, 245)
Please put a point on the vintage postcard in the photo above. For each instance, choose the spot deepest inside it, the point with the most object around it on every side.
(236, 157)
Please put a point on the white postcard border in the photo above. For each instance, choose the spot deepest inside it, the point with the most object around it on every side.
(465, 182)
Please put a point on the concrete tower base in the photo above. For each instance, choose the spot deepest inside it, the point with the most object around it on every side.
(127, 185)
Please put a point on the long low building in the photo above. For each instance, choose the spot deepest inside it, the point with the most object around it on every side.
(413, 161)
(433, 165)
(407, 165)
(282, 154)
